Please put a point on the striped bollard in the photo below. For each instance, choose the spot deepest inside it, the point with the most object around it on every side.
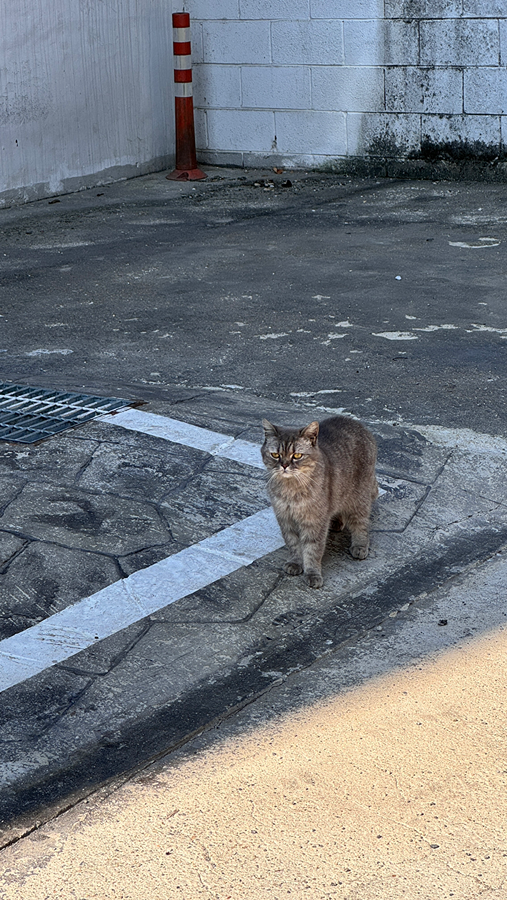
(186, 162)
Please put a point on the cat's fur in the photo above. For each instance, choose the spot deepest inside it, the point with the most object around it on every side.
(333, 479)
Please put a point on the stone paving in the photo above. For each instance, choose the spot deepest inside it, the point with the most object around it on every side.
(87, 508)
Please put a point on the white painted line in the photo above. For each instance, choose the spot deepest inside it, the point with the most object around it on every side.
(143, 593)
(190, 435)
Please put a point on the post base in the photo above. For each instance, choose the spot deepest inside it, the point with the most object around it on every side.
(186, 175)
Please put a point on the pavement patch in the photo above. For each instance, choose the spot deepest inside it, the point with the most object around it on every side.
(156, 656)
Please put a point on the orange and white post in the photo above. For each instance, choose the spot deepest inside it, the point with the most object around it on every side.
(186, 163)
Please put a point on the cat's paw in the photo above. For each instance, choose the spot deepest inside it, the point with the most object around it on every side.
(293, 568)
(359, 552)
(314, 580)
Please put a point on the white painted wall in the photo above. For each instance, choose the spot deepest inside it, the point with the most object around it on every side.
(86, 93)
(311, 82)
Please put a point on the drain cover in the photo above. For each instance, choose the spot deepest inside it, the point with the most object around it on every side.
(30, 414)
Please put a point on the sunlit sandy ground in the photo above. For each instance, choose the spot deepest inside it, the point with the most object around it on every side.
(392, 789)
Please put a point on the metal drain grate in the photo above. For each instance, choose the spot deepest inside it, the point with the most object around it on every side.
(29, 414)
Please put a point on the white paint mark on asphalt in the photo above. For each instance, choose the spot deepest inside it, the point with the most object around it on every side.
(332, 337)
(397, 335)
(335, 410)
(315, 393)
(482, 243)
(41, 352)
(485, 328)
(143, 593)
(189, 435)
(437, 328)
(330, 391)
(67, 246)
(345, 324)
(265, 337)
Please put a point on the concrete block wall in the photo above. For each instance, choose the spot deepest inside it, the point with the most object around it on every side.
(86, 86)
(86, 93)
(320, 82)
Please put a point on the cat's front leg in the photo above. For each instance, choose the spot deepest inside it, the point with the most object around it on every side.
(359, 539)
(313, 547)
(294, 565)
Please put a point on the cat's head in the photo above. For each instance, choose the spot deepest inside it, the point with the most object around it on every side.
(289, 452)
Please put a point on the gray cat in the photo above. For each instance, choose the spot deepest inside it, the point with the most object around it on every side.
(317, 474)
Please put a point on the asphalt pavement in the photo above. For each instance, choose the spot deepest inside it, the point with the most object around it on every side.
(142, 597)
(384, 297)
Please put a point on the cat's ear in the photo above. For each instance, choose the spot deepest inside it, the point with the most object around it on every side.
(311, 432)
(269, 429)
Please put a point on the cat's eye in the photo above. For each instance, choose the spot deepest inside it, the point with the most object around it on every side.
(297, 455)
(275, 455)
